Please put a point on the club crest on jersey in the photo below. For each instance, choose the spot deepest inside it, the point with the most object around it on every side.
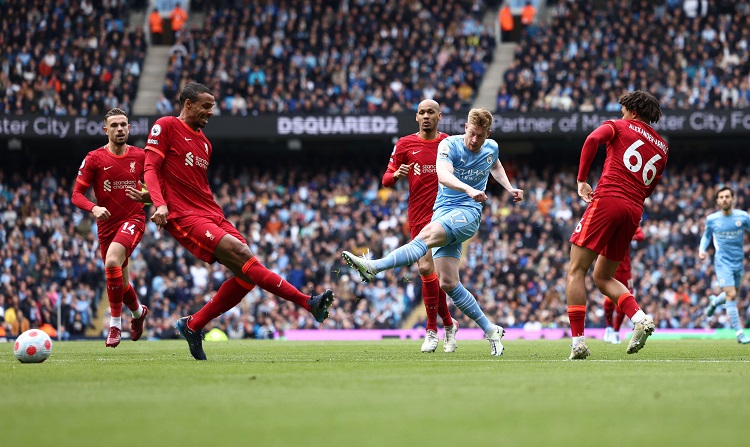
(206, 147)
(489, 159)
(132, 166)
(156, 130)
(737, 223)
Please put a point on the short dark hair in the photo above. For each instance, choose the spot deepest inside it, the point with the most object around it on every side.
(724, 188)
(192, 90)
(114, 112)
(644, 104)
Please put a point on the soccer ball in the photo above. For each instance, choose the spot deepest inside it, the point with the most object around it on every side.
(33, 346)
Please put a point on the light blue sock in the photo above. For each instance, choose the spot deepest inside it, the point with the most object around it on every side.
(721, 299)
(404, 255)
(734, 317)
(466, 303)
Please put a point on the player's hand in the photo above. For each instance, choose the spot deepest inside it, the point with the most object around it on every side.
(517, 194)
(138, 195)
(402, 171)
(477, 195)
(100, 213)
(585, 192)
(160, 216)
(702, 255)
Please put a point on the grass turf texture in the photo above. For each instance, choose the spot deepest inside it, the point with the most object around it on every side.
(280, 393)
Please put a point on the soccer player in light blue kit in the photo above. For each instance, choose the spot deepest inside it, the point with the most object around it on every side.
(727, 229)
(464, 163)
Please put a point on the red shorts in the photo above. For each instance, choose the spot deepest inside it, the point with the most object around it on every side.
(415, 229)
(607, 227)
(128, 233)
(201, 235)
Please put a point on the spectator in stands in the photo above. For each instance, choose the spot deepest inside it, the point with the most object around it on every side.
(505, 17)
(156, 26)
(528, 13)
(178, 17)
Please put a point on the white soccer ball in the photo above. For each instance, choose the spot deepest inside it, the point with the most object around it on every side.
(33, 346)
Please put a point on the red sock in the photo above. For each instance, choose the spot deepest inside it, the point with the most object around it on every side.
(626, 303)
(609, 309)
(272, 282)
(229, 295)
(114, 290)
(131, 299)
(430, 292)
(619, 317)
(443, 311)
(577, 316)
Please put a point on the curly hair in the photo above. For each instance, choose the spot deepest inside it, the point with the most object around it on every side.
(192, 90)
(644, 104)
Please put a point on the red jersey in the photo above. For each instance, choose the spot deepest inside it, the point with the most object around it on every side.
(185, 155)
(635, 161)
(423, 180)
(110, 175)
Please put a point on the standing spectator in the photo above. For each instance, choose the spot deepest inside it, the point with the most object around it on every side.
(156, 24)
(178, 16)
(527, 15)
(506, 22)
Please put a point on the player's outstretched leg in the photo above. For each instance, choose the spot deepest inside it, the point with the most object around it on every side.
(194, 339)
(711, 308)
(642, 330)
(319, 305)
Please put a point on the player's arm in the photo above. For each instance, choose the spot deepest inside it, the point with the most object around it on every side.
(705, 240)
(444, 168)
(142, 195)
(396, 168)
(82, 184)
(498, 173)
(601, 135)
(152, 177)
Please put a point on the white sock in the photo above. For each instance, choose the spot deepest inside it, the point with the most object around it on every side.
(577, 340)
(137, 313)
(638, 316)
(115, 322)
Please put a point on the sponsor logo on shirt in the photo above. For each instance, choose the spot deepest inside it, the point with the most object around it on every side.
(153, 141)
(194, 160)
(209, 235)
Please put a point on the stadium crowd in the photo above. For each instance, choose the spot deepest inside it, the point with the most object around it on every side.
(333, 56)
(690, 54)
(68, 57)
(298, 220)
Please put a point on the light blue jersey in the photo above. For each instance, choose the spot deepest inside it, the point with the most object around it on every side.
(728, 234)
(469, 167)
(456, 211)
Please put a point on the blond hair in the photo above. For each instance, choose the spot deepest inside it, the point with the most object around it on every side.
(482, 118)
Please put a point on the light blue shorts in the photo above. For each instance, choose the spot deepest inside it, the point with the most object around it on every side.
(728, 277)
(460, 224)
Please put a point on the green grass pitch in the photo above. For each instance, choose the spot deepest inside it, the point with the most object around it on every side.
(387, 393)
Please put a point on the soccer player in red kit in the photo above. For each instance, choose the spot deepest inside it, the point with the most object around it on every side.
(414, 157)
(635, 161)
(613, 320)
(177, 158)
(113, 170)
